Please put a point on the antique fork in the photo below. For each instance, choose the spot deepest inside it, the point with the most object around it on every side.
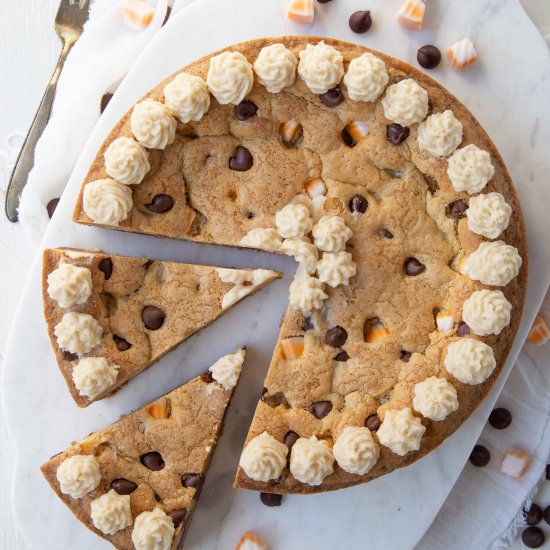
(69, 22)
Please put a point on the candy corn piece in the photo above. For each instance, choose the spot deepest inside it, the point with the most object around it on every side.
(251, 541)
(462, 54)
(411, 14)
(290, 130)
(357, 129)
(374, 332)
(158, 409)
(292, 348)
(539, 333)
(315, 187)
(444, 320)
(515, 463)
(301, 11)
(138, 14)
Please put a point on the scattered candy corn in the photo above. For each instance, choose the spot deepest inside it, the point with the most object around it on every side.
(293, 347)
(301, 11)
(138, 14)
(411, 14)
(539, 333)
(462, 54)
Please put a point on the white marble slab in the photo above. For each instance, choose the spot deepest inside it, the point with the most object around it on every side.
(508, 91)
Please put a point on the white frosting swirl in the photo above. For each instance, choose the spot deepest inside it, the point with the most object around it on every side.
(111, 512)
(495, 263)
(263, 458)
(306, 293)
(356, 451)
(293, 220)
(440, 134)
(321, 67)
(401, 431)
(366, 77)
(94, 375)
(488, 215)
(262, 238)
(470, 361)
(234, 276)
(126, 161)
(107, 201)
(78, 333)
(187, 97)
(487, 312)
(470, 169)
(303, 252)
(275, 67)
(336, 268)
(435, 398)
(240, 290)
(311, 460)
(152, 124)
(227, 369)
(69, 285)
(230, 77)
(153, 531)
(78, 475)
(405, 102)
(331, 234)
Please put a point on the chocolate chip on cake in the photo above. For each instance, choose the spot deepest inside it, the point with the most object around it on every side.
(413, 267)
(191, 480)
(242, 159)
(68, 356)
(360, 21)
(457, 209)
(178, 516)
(121, 343)
(333, 97)
(385, 233)
(342, 357)
(51, 206)
(123, 486)
(463, 329)
(533, 537)
(347, 138)
(336, 337)
(106, 267)
(373, 422)
(153, 461)
(106, 98)
(320, 409)
(207, 377)
(245, 109)
(358, 203)
(153, 317)
(306, 324)
(480, 456)
(405, 356)
(533, 515)
(270, 499)
(160, 204)
(500, 418)
(428, 56)
(291, 438)
(397, 134)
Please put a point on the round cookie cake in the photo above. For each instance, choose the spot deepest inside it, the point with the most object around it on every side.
(409, 237)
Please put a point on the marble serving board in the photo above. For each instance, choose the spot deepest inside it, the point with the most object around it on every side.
(507, 90)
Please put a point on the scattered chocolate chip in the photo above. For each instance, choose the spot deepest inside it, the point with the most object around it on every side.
(457, 209)
(396, 133)
(178, 516)
(405, 356)
(358, 203)
(546, 515)
(121, 344)
(245, 109)
(428, 56)
(153, 317)
(548, 471)
(153, 461)
(533, 537)
(249, 215)
(347, 138)
(207, 377)
(373, 422)
(342, 357)
(500, 418)
(68, 356)
(270, 499)
(413, 267)
(167, 16)
(290, 439)
(191, 480)
(160, 204)
(480, 456)
(320, 409)
(242, 159)
(385, 233)
(51, 206)
(533, 515)
(360, 21)
(105, 101)
(106, 267)
(463, 329)
(123, 486)
(336, 337)
(333, 97)
(306, 324)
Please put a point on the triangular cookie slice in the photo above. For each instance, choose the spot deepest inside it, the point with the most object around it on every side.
(136, 483)
(110, 317)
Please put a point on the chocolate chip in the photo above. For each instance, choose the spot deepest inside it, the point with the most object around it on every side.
(153, 317)
(405, 356)
(413, 267)
(269, 499)
(123, 486)
(480, 456)
(121, 344)
(500, 418)
(533, 537)
(290, 439)
(333, 97)
(533, 515)
(191, 480)
(68, 356)
(463, 329)
(167, 16)
(458, 209)
(320, 409)
(306, 324)
(360, 21)
(546, 515)
(396, 133)
(178, 516)
(105, 101)
(373, 422)
(324, 1)
(342, 357)
(160, 204)
(428, 56)
(106, 267)
(336, 337)
(242, 159)
(385, 233)
(51, 206)
(245, 109)
(358, 203)
(249, 215)
(153, 461)
(207, 377)
(347, 138)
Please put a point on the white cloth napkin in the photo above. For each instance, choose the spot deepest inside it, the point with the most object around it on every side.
(484, 508)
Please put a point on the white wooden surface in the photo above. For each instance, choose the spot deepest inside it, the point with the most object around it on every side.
(26, 61)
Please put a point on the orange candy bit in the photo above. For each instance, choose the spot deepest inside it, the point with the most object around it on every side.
(411, 14)
(293, 348)
(290, 130)
(158, 409)
(138, 14)
(251, 541)
(462, 54)
(539, 333)
(375, 332)
(301, 11)
(444, 320)
(357, 129)
(515, 463)
(315, 187)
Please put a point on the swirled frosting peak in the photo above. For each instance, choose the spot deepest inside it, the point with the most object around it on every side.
(294, 220)
(401, 431)
(93, 376)
(187, 97)
(153, 531)
(275, 67)
(152, 124)
(493, 263)
(487, 312)
(78, 333)
(366, 77)
(405, 102)
(230, 77)
(263, 458)
(126, 161)
(69, 285)
(355, 450)
(321, 67)
(311, 460)
(336, 268)
(435, 398)
(306, 293)
(331, 234)
(106, 201)
(488, 214)
(440, 134)
(470, 169)
(111, 512)
(470, 361)
(78, 475)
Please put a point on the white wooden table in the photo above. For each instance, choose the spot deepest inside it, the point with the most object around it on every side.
(27, 59)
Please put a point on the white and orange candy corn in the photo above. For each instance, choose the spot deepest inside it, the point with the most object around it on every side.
(315, 187)
(375, 331)
(444, 320)
(515, 463)
(251, 541)
(357, 129)
(411, 14)
(293, 347)
(290, 130)
(462, 54)
(301, 11)
(138, 14)
(539, 333)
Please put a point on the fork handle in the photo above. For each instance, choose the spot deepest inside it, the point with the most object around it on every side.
(25, 160)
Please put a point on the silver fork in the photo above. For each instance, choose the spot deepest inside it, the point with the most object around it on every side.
(69, 22)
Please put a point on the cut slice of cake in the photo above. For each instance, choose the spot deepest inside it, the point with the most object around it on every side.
(110, 317)
(136, 483)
